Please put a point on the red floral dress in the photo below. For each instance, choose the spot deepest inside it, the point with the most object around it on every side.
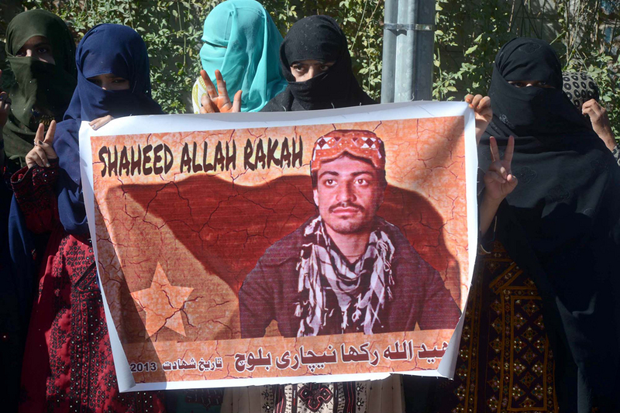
(68, 365)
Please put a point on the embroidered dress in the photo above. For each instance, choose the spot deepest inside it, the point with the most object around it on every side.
(68, 365)
(505, 361)
(385, 396)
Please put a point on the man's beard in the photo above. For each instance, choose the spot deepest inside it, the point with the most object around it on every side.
(348, 226)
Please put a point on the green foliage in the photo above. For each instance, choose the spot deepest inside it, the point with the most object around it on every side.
(466, 41)
(172, 30)
(587, 50)
(469, 34)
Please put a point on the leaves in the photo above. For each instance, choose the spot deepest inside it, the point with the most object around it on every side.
(172, 31)
(469, 36)
(467, 39)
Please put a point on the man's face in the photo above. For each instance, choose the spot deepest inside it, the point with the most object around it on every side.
(349, 192)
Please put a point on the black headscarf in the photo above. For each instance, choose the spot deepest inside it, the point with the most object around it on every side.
(318, 38)
(38, 84)
(557, 222)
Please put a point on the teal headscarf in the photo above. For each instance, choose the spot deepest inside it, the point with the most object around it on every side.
(241, 40)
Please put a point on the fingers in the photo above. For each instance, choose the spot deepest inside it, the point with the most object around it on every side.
(203, 103)
(592, 103)
(591, 108)
(37, 156)
(208, 105)
(237, 102)
(49, 136)
(494, 149)
(494, 176)
(512, 182)
(210, 87)
(4, 98)
(47, 144)
(476, 101)
(38, 137)
(484, 104)
(100, 122)
(221, 87)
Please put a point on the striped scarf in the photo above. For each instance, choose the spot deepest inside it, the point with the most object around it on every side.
(337, 297)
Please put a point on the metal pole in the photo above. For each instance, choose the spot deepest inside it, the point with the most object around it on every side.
(408, 42)
(389, 51)
(405, 51)
(425, 38)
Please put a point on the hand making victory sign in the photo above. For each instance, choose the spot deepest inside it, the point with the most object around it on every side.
(43, 150)
(217, 100)
(499, 182)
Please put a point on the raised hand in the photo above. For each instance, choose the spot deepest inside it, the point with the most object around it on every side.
(600, 122)
(43, 150)
(483, 112)
(5, 106)
(499, 180)
(212, 101)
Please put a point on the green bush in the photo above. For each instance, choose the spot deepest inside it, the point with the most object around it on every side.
(468, 36)
(172, 30)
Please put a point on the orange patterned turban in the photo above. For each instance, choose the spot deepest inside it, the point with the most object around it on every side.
(360, 143)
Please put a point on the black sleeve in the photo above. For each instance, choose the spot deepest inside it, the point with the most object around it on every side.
(256, 303)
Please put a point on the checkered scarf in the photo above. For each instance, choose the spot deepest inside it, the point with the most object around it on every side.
(337, 297)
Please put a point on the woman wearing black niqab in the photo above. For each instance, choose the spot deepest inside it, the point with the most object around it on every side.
(556, 225)
(317, 38)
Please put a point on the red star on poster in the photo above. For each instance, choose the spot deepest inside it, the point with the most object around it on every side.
(162, 303)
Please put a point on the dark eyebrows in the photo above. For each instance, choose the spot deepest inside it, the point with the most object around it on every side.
(354, 174)
(334, 173)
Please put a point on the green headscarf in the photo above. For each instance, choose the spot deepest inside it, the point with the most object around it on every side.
(242, 42)
(40, 84)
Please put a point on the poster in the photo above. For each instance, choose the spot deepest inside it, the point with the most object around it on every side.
(246, 249)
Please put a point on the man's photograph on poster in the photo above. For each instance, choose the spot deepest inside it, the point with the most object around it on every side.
(328, 238)
(345, 270)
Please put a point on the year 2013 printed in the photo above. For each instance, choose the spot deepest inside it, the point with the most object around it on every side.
(140, 367)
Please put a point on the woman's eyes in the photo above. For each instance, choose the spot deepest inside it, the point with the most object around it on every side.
(303, 69)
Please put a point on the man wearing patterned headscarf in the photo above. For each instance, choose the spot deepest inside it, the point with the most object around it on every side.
(345, 270)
